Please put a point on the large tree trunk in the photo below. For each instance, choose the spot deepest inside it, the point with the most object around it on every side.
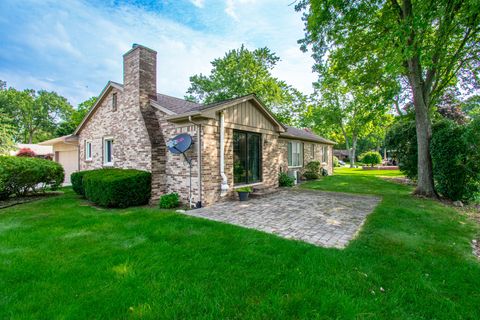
(425, 186)
(353, 151)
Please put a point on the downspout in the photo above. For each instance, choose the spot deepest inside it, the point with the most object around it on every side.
(199, 156)
(224, 185)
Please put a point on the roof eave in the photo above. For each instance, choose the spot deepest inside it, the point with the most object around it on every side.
(109, 85)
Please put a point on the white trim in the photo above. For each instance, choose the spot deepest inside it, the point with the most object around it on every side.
(105, 163)
(156, 105)
(301, 154)
(238, 186)
(87, 156)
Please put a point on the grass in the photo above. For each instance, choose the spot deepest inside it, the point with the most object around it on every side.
(63, 259)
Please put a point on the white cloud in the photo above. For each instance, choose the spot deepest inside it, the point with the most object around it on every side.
(75, 48)
(198, 3)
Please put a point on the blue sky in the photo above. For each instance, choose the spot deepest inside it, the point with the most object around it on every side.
(75, 47)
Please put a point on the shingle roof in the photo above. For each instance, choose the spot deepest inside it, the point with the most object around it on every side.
(304, 134)
(177, 105)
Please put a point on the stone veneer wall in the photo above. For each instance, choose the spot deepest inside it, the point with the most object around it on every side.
(131, 144)
(274, 159)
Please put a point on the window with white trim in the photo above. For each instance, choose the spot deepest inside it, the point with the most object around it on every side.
(88, 150)
(325, 154)
(295, 154)
(108, 151)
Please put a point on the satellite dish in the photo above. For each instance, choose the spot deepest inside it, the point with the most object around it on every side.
(180, 143)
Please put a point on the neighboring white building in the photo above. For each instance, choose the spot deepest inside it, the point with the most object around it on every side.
(65, 152)
(40, 150)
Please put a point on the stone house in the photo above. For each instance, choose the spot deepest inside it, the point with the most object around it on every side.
(236, 142)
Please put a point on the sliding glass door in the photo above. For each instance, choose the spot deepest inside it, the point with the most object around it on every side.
(247, 157)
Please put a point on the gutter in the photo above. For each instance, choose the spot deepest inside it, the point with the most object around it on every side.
(224, 185)
(199, 157)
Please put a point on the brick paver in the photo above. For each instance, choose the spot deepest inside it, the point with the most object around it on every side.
(325, 219)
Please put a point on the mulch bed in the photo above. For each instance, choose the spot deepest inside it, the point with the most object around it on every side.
(400, 180)
(28, 198)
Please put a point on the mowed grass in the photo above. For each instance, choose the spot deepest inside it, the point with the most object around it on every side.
(63, 259)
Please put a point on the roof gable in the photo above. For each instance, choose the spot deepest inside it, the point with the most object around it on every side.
(102, 95)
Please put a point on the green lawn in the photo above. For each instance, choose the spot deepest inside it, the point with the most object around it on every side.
(63, 259)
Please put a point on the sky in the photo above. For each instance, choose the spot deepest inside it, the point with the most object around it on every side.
(74, 47)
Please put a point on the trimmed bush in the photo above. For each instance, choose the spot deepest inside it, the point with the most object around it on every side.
(312, 170)
(284, 180)
(76, 179)
(169, 201)
(117, 187)
(371, 157)
(21, 175)
(402, 138)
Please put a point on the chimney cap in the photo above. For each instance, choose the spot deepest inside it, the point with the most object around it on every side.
(138, 46)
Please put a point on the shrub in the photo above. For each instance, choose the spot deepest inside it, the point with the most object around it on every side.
(76, 179)
(244, 189)
(169, 201)
(20, 175)
(312, 170)
(371, 157)
(336, 162)
(284, 180)
(26, 152)
(402, 138)
(455, 155)
(117, 187)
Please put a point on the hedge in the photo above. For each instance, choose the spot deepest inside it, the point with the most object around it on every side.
(116, 187)
(169, 201)
(76, 179)
(21, 175)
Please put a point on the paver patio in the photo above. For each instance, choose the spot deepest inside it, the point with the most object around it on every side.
(325, 219)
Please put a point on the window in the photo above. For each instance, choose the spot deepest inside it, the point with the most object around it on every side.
(114, 102)
(108, 151)
(313, 152)
(295, 154)
(325, 154)
(88, 150)
(247, 157)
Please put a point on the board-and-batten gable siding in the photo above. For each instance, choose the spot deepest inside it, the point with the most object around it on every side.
(247, 115)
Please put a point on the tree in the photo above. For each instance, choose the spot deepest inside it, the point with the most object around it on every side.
(371, 157)
(7, 133)
(430, 43)
(35, 115)
(240, 72)
(350, 105)
(68, 127)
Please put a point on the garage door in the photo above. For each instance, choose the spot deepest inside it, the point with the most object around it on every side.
(69, 161)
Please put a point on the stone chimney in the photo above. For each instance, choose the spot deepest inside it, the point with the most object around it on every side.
(139, 87)
(140, 75)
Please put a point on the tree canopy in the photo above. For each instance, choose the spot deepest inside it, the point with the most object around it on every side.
(68, 126)
(34, 115)
(240, 72)
(433, 45)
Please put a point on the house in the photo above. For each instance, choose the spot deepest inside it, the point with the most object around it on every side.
(341, 154)
(236, 142)
(65, 152)
(40, 151)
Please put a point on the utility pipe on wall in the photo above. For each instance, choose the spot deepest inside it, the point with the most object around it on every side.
(224, 185)
(199, 157)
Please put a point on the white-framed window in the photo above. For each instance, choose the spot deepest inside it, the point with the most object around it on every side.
(325, 154)
(108, 151)
(313, 151)
(295, 154)
(88, 150)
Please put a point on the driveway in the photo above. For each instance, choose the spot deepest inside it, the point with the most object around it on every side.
(324, 219)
